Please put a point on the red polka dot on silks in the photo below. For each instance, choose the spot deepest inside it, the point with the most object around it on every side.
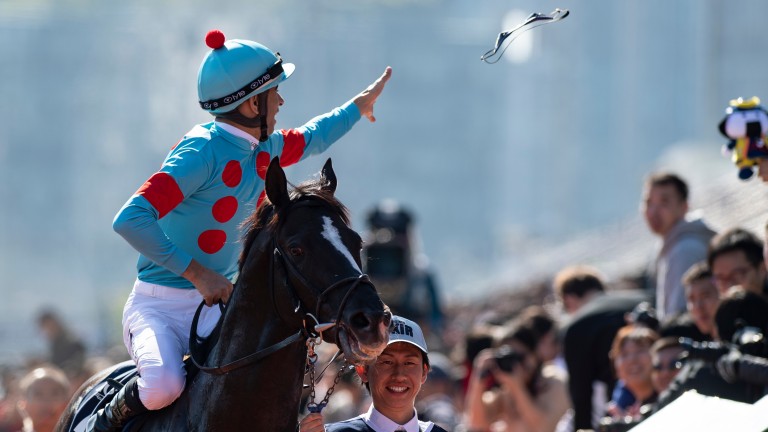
(232, 174)
(262, 163)
(211, 241)
(262, 197)
(224, 209)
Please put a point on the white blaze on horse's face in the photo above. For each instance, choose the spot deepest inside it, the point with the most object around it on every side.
(331, 234)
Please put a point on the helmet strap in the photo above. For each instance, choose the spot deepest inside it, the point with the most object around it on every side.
(260, 121)
(261, 99)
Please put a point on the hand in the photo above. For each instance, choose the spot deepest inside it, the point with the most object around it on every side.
(367, 98)
(483, 363)
(211, 285)
(313, 422)
(512, 381)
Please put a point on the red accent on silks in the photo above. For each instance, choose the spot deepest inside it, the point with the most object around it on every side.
(293, 148)
(215, 39)
(224, 209)
(212, 241)
(162, 191)
(262, 163)
(176, 145)
(232, 173)
(262, 197)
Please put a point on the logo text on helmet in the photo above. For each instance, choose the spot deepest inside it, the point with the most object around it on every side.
(260, 81)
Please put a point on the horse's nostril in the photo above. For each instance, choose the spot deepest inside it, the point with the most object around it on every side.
(360, 321)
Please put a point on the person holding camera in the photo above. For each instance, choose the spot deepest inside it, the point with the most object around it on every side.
(511, 388)
(730, 367)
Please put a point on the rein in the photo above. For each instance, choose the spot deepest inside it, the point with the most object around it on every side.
(194, 340)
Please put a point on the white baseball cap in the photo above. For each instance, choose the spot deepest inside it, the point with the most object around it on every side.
(405, 330)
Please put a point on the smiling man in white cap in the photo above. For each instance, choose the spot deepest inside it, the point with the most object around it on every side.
(393, 379)
(185, 219)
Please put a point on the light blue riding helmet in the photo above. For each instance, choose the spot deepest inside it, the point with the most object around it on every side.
(235, 70)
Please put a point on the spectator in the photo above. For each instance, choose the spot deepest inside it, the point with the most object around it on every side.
(393, 379)
(736, 258)
(665, 359)
(684, 238)
(544, 330)
(478, 338)
(400, 270)
(596, 317)
(529, 396)
(10, 417)
(631, 357)
(45, 392)
(66, 351)
(702, 298)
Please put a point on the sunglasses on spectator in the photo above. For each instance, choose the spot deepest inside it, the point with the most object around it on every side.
(671, 365)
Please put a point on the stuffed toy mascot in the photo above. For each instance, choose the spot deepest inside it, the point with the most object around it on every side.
(745, 123)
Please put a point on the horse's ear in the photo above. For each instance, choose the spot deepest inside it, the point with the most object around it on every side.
(276, 184)
(328, 177)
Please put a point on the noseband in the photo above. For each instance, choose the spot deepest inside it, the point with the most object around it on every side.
(316, 329)
(308, 330)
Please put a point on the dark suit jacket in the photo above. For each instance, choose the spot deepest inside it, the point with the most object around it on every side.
(587, 339)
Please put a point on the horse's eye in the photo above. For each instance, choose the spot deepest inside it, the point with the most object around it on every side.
(296, 251)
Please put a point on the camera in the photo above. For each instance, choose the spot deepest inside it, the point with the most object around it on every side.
(750, 340)
(747, 340)
(507, 358)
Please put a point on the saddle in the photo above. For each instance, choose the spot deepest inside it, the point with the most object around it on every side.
(101, 393)
(105, 390)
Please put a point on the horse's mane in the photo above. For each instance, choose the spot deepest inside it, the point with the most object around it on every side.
(265, 216)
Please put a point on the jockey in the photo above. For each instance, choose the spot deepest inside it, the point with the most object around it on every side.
(184, 220)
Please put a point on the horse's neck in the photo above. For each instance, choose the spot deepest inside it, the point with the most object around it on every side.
(264, 395)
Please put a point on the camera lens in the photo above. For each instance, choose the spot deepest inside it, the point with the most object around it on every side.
(507, 358)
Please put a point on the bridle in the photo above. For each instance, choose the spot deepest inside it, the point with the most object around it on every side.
(311, 329)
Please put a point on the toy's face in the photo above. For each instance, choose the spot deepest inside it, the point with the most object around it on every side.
(741, 123)
(663, 207)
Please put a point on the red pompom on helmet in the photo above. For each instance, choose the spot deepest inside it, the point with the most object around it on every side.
(236, 69)
(215, 39)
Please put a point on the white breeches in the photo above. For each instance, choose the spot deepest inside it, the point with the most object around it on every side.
(156, 324)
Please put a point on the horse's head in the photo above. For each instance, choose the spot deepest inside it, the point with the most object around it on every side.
(318, 255)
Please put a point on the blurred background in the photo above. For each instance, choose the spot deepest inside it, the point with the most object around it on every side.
(511, 170)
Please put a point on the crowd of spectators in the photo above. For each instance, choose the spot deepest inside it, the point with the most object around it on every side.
(575, 352)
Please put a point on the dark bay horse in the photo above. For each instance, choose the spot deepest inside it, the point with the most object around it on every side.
(300, 266)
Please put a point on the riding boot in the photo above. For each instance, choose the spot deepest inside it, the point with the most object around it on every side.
(125, 405)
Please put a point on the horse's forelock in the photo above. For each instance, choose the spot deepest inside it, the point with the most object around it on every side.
(265, 216)
(314, 189)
